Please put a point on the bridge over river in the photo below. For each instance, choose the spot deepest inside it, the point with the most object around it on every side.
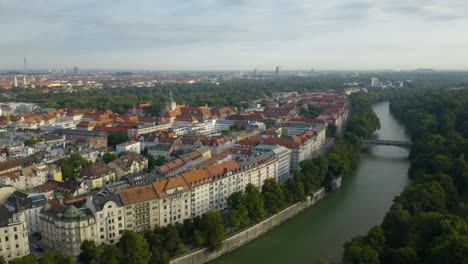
(396, 143)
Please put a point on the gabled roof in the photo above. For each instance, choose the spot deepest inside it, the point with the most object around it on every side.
(197, 177)
(138, 194)
(169, 186)
(219, 169)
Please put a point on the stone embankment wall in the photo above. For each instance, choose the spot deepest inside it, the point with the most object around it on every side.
(243, 237)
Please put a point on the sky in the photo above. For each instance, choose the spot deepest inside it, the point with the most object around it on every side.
(234, 34)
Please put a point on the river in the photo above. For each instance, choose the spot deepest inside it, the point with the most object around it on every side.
(360, 203)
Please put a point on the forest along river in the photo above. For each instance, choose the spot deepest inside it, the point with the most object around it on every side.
(360, 203)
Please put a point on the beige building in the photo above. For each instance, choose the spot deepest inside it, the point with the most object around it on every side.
(110, 218)
(174, 200)
(5, 192)
(14, 241)
(141, 207)
(200, 182)
(98, 174)
(64, 227)
(129, 164)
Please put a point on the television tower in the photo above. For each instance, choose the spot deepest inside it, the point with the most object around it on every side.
(25, 66)
(25, 82)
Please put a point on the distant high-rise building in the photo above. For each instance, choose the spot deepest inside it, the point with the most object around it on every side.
(311, 72)
(375, 82)
(255, 72)
(25, 82)
(15, 82)
(75, 70)
(25, 66)
(277, 70)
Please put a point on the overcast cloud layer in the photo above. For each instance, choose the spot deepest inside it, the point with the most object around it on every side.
(234, 34)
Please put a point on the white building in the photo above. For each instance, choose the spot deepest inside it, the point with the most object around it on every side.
(31, 205)
(223, 125)
(227, 178)
(129, 146)
(284, 159)
(14, 242)
(58, 125)
(260, 168)
(17, 181)
(202, 128)
(211, 186)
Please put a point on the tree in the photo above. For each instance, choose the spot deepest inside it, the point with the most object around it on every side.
(110, 254)
(30, 142)
(28, 259)
(58, 258)
(171, 240)
(254, 203)
(239, 217)
(396, 225)
(213, 230)
(273, 196)
(2, 260)
(294, 190)
(89, 251)
(135, 249)
(47, 258)
(423, 197)
(451, 249)
(108, 157)
(331, 130)
(356, 253)
(116, 138)
(72, 165)
(400, 255)
(160, 160)
(235, 127)
(311, 111)
(151, 162)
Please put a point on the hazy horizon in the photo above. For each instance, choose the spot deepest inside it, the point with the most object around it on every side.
(234, 35)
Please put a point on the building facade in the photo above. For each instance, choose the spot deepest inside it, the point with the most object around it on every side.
(14, 242)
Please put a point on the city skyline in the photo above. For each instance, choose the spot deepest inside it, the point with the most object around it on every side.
(234, 35)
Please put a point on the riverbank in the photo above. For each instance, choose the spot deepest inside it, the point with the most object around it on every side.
(205, 255)
(361, 202)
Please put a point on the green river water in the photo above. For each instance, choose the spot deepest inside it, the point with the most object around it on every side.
(361, 203)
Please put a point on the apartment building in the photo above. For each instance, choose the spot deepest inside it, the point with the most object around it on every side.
(30, 205)
(141, 207)
(64, 227)
(284, 159)
(174, 200)
(14, 241)
(109, 213)
(259, 168)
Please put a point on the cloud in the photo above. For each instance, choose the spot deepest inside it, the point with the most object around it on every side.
(102, 29)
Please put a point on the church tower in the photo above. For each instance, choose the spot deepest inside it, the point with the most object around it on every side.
(171, 104)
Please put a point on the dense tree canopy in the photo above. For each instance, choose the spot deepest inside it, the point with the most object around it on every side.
(72, 165)
(428, 221)
(116, 138)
